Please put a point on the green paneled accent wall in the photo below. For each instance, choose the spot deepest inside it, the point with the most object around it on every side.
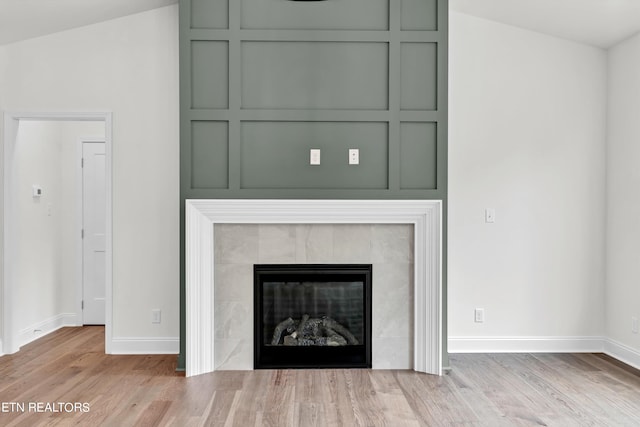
(265, 81)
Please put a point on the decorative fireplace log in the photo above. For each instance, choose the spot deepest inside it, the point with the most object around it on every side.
(288, 325)
(300, 332)
(312, 331)
(329, 323)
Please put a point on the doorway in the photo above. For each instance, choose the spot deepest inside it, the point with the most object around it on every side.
(13, 299)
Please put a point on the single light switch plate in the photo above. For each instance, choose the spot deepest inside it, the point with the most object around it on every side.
(156, 316)
(489, 215)
(354, 156)
(314, 156)
(479, 315)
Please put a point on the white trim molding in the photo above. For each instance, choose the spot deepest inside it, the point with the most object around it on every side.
(202, 214)
(145, 345)
(622, 352)
(526, 344)
(45, 327)
(540, 344)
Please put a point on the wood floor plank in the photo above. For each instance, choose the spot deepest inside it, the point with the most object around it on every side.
(365, 402)
(492, 390)
(393, 403)
(279, 405)
(251, 400)
(309, 414)
(338, 407)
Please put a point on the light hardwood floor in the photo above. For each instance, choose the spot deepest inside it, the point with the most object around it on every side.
(69, 366)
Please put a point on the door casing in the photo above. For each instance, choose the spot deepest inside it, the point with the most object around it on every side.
(8, 332)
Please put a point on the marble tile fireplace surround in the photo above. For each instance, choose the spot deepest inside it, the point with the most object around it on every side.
(401, 239)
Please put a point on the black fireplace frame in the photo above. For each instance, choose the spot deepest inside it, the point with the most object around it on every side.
(301, 357)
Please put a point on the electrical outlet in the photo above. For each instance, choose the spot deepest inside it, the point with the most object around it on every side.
(479, 315)
(634, 325)
(354, 156)
(314, 156)
(156, 316)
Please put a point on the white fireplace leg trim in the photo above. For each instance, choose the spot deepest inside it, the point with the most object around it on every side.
(203, 214)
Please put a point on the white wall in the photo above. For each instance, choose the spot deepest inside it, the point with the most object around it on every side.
(623, 194)
(37, 258)
(2, 86)
(526, 137)
(45, 256)
(128, 66)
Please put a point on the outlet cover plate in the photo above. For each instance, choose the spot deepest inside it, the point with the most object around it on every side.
(354, 156)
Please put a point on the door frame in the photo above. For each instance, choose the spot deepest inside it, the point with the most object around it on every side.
(80, 223)
(9, 333)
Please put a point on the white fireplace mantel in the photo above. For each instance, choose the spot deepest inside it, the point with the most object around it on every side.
(203, 214)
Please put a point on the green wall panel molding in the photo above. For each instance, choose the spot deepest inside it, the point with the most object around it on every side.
(332, 15)
(264, 81)
(209, 14)
(275, 65)
(315, 75)
(209, 74)
(271, 154)
(209, 154)
(419, 76)
(420, 15)
(418, 156)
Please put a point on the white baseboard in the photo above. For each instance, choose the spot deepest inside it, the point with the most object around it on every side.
(131, 345)
(44, 327)
(526, 344)
(622, 352)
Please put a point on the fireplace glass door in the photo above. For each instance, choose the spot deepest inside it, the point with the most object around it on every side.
(312, 316)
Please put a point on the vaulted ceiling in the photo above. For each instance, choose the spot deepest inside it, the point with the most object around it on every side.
(25, 19)
(600, 23)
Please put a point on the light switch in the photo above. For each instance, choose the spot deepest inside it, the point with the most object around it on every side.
(490, 215)
(314, 156)
(37, 190)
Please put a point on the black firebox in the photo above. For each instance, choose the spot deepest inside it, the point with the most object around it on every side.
(312, 316)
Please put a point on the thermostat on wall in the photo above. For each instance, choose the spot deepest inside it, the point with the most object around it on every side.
(37, 191)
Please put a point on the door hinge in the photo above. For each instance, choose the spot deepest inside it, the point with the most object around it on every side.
(82, 304)
(82, 162)
(82, 233)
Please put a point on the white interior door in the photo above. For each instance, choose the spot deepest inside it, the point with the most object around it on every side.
(94, 233)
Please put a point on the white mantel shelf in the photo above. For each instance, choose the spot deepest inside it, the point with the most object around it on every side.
(203, 214)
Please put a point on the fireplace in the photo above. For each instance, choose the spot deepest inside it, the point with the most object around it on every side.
(312, 316)
(204, 322)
